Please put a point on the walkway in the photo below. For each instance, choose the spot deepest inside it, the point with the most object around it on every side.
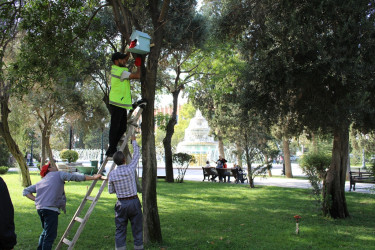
(195, 174)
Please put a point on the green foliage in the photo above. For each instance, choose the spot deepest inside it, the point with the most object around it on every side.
(69, 155)
(4, 169)
(161, 120)
(183, 160)
(315, 165)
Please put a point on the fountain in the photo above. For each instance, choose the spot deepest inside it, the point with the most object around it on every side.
(197, 141)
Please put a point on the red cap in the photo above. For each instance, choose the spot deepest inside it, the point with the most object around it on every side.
(44, 170)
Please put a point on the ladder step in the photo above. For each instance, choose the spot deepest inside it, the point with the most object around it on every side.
(83, 221)
(67, 242)
(80, 220)
(90, 198)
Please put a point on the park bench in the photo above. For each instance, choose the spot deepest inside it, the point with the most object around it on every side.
(209, 173)
(360, 177)
(239, 176)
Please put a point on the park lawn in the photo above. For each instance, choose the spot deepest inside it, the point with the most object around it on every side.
(202, 215)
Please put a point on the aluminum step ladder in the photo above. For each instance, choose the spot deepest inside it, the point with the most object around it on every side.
(132, 124)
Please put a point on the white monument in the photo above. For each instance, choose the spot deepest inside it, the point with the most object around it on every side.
(197, 141)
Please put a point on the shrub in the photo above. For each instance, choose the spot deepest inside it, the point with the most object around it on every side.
(181, 159)
(69, 155)
(3, 169)
(315, 165)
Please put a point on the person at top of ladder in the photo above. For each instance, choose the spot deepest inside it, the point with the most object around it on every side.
(128, 207)
(50, 199)
(120, 97)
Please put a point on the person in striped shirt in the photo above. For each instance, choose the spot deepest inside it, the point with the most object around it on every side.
(128, 207)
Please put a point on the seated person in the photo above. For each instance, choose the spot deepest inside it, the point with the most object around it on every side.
(241, 173)
(219, 165)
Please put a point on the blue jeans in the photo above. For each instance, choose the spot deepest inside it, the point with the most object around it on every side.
(49, 221)
(126, 210)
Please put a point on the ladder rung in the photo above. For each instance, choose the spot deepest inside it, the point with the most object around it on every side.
(78, 219)
(132, 123)
(67, 242)
(90, 198)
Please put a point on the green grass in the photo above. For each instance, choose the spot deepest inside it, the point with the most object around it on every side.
(202, 215)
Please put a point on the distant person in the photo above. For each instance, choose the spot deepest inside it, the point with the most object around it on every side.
(50, 199)
(128, 207)
(207, 164)
(8, 237)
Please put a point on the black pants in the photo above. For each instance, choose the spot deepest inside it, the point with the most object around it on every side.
(117, 128)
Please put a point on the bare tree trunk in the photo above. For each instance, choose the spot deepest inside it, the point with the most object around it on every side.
(167, 141)
(248, 161)
(249, 169)
(267, 162)
(334, 202)
(314, 142)
(151, 220)
(288, 165)
(239, 154)
(49, 150)
(221, 146)
(11, 144)
(43, 145)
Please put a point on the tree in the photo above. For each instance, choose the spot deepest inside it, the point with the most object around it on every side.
(152, 15)
(10, 13)
(180, 43)
(313, 60)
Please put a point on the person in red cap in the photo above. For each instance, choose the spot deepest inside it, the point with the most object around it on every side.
(50, 199)
(120, 97)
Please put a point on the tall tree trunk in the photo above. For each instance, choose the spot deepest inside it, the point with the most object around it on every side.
(11, 144)
(167, 141)
(248, 161)
(268, 169)
(49, 150)
(151, 221)
(249, 169)
(314, 142)
(221, 145)
(43, 144)
(239, 154)
(288, 165)
(334, 202)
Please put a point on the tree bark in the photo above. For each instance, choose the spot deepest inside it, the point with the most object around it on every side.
(151, 221)
(288, 165)
(167, 141)
(221, 146)
(43, 139)
(239, 154)
(11, 144)
(268, 169)
(248, 161)
(334, 201)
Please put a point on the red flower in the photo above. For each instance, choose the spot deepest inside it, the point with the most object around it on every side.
(297, 217)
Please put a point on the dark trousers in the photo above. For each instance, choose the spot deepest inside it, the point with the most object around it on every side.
(49, 221)
(126, 210)
(117, 128)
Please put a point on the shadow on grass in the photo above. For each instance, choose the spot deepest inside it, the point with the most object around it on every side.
(197, 215)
